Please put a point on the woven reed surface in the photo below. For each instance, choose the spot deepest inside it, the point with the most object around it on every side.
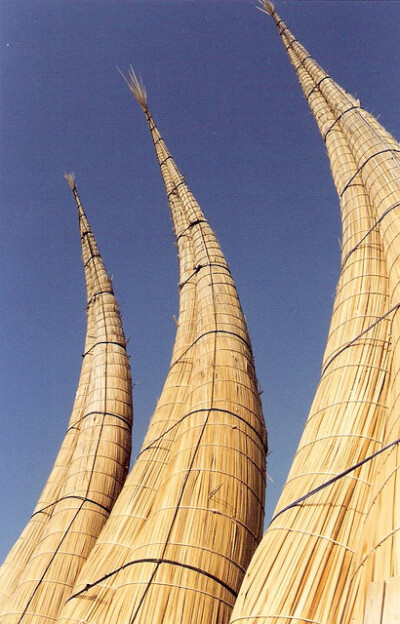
(199, 489)
(304, 569)
(92, 464)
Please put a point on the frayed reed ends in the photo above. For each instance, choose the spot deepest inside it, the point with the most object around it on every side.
(136, 86)
(70, 177)
(266, 7)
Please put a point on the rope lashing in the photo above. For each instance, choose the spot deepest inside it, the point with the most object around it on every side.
(81, 498)
(192, 224)
(349, 344)
(291, 43)
(99, 413)
(203, 266)
(213, 331)
(165, 160)
(157, 562)
(175, 188)
(392, 150)
(100, 292)
(189, 466)
(338, 119)
(334, 479)
(318, 85)
(113, 342)
(347, 256)
(92, 258)
(198, 411)
(85, 233)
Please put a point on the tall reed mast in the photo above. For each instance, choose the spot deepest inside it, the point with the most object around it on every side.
(335, 528)
(91, 466)
(204, 519)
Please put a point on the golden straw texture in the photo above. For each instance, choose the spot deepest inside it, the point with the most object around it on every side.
(304, 569)
(203, 509)
(92, 464)
(134, 504)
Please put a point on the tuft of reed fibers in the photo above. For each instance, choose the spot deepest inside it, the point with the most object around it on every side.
(314, 563)
(70, 177)
(136, 86)
(266, 7)
(96, 453)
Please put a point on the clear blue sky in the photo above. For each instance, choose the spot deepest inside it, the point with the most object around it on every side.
(224, 95)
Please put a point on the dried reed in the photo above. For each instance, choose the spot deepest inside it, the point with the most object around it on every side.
(304, 568)
(204, 510)
(92, 464)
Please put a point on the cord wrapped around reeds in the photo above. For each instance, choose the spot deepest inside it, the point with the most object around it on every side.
(92, 464)
(135, 502)
(320, 554)
(204, 510)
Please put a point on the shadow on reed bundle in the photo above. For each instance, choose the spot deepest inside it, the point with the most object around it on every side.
(190, 515)
(91, 467)
(320, 553)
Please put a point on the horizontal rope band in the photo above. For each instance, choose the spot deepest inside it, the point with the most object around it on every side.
(196, 222)
(100, 342)
(291, 43)
(100, 292)
(317, 535)
(213, 331)
(338, 119)
(158, 140)
(334, 479)
(347, 256)
(127, 422)
(175, 188)
(157, 562)
(276, 617)
(81, 498)
(165, 160)
(86, 233)
(317, 85)
(363, 165)
(349, 344)
(231, 561)
(208, 410)
(203, 266)
(215, 512)
(314, 473)
(91, 258)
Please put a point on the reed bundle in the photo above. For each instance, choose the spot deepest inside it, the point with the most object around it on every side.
(22, 550)
(134, 504)
(92, 464)
(202, 504)
(318, 557)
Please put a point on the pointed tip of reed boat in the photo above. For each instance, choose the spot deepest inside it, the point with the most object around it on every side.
(135, 84)
(70, 177)
(266, 7)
